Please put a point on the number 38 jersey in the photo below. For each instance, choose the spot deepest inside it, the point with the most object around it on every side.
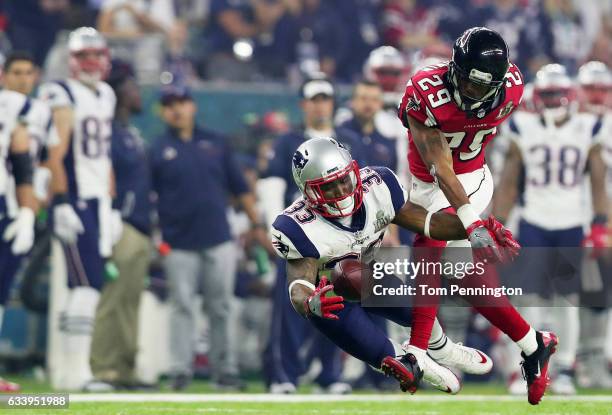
(429, 101)
(554, 159)
(87, 161)
(300, 232)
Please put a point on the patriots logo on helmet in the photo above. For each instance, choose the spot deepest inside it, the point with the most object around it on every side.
(299, 161)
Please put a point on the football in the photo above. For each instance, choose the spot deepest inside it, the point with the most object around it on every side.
(347, 276)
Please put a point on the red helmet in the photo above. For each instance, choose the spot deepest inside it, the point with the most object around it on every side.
(89, 55)
(595, 80)
(554, 93)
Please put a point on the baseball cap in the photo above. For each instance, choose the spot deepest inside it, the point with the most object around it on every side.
(173, 93)
(316, 86)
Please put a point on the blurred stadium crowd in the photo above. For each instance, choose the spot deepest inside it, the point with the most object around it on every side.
(255, 40)
(200, 242)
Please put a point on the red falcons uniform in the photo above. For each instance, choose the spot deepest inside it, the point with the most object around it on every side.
(428, 100)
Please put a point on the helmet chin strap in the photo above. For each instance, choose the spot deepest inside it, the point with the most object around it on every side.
(346, 205)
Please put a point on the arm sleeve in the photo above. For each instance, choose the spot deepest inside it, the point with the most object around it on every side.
(56, 95)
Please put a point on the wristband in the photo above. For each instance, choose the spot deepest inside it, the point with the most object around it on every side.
(467, 215)
(426, 226)
(600, 219)
(60, 198)
(301, 282)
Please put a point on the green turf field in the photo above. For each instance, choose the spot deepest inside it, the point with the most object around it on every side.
(200, 398)
(375, 406)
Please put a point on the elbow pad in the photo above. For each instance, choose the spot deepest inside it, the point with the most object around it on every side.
(22, 168)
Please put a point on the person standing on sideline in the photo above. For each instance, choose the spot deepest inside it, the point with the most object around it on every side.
(193, 173)
(115, 336)
(82, 184)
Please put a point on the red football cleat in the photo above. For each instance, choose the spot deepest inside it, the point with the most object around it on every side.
(8, 387)
(405, 369)
(535, 366)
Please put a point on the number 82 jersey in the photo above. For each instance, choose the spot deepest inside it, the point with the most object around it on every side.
(87, 161)
(428, 100)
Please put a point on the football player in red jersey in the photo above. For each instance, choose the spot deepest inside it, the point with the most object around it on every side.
(452, 111)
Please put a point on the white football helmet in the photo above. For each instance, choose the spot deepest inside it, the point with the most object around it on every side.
(554, 93)
(89, 55)
(386, 66)
(327, 177)
(595, 80)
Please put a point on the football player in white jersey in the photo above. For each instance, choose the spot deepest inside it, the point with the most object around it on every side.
(386, 66)
(17, 230)
(83, 108)
(20, 74)
(343, 213)
(556, 145)
(595, 81)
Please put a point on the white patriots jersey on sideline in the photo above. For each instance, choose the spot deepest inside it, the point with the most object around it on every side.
(39, 122)
(554, 159)
(605, 137)
(300, 232)
(388, 123)
(40, 128)
(14, 107)
(87, 161)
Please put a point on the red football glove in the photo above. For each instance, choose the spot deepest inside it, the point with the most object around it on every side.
(483, 242)
(321, 306)
(509, 247)
(596, 239)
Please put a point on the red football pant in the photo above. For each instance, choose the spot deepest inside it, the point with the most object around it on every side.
(498, 310)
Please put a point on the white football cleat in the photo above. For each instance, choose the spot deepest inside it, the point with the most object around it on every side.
(466, 359)
(282, 388)
(438, 376)
(563, 384)
(517, 384)
(338, 388)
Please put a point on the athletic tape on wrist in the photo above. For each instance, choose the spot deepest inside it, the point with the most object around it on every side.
(427, 222)
(301, 282)
(467, 215)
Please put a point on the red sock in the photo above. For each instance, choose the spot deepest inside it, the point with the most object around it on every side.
(425, 307)
(498, 310)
